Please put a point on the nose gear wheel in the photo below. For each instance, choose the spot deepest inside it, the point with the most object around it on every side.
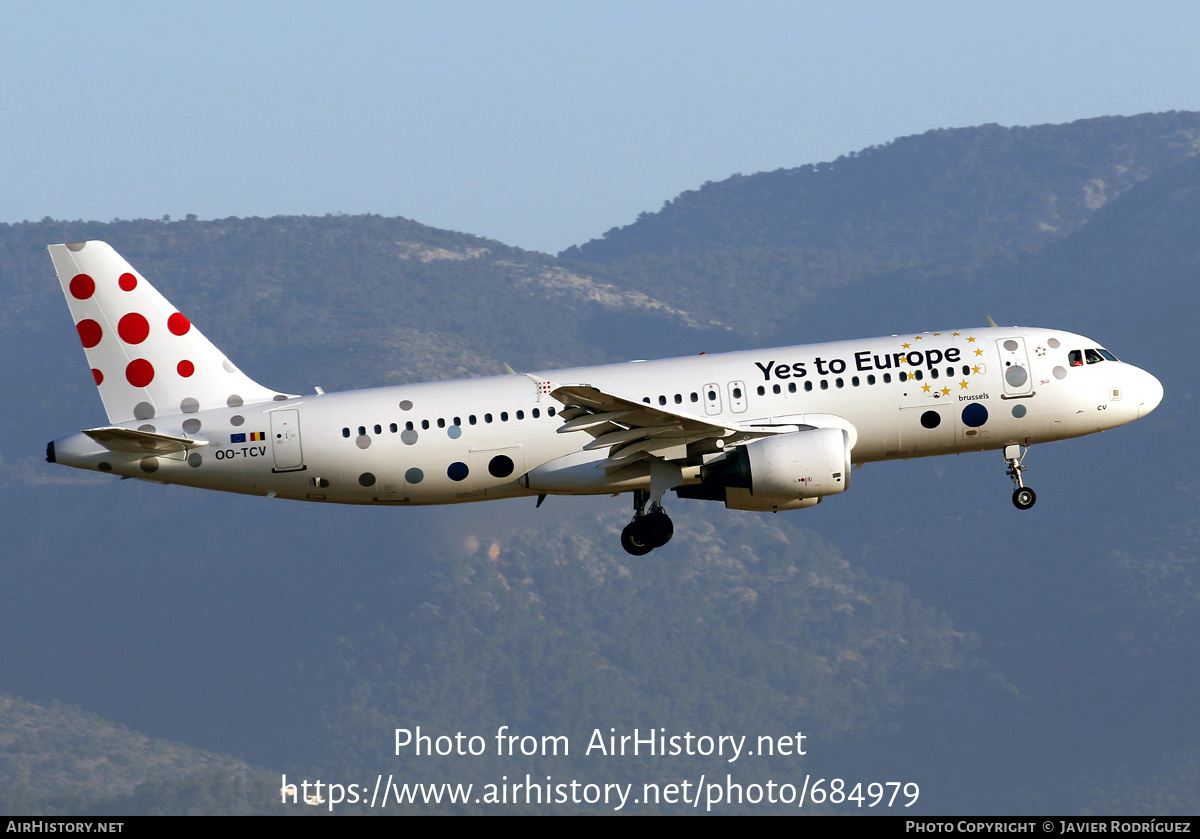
(1023, 497)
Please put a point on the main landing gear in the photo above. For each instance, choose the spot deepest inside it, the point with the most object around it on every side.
(1023, 497)
(649, 529)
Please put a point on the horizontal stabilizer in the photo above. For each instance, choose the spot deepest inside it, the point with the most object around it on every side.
(141, 442)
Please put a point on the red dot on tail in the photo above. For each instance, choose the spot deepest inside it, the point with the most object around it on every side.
(90, 333)
(127, 282)
(133, 328)
(178, 324)
(140, 372)
(98, 376)
(82, 286)
(186, 368)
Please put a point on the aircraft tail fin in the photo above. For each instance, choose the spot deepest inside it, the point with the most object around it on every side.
(146, 357)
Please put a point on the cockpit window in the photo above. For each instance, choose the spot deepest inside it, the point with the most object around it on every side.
(1076, 358)
(1107, 354)
(1093, 356)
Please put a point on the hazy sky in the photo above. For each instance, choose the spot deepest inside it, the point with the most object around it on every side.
(538, 124)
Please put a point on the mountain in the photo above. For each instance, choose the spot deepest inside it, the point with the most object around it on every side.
(961, 192)
(772, 251)
(59, 760)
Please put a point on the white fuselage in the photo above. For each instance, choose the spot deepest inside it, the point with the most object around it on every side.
(476, 439)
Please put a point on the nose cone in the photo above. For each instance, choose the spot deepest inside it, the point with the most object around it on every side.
(1150, 393)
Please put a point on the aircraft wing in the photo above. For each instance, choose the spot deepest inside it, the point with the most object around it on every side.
(633, 430)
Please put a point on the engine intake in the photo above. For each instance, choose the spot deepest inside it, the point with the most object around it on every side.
(809, 463)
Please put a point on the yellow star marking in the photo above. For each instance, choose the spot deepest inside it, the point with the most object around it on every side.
(956, 333)
(970, 340)
(918, 338)
(975, 369)
(936, 334)
(924, 388)
(945, 391)
(906, 346)
(978, 352)
(963, 384)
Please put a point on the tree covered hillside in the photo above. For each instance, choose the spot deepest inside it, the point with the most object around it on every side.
(912, 219)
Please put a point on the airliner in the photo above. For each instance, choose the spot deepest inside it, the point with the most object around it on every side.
(760, 430)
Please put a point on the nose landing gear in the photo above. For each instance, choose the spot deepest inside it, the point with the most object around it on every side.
(1023, 497)
(649, 529)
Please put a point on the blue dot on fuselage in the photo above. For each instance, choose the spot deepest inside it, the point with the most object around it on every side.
(974, 415)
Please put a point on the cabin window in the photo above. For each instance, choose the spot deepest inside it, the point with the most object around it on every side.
(471, 419)
(504, 416)
(1092, 356)
(791, 387)
(762, 391)
(737, 393)
(1075, 357)
(887, 378)
(839, 382)
(550, 410)
(536, 413)
(776, 389)
(933, 374)
(679, 399)
(346, 432)
(520, 415)
(441, 422)
(807, 386)
(854, 381)
(903, 376)
(362, 431)
(695, 396)
(393, 428)
(487, 417)
(871, 378)
(424, 425)
(824, 384)
(408, 426)
(378, 429)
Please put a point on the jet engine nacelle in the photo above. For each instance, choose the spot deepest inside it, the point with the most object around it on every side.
(809, 463)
